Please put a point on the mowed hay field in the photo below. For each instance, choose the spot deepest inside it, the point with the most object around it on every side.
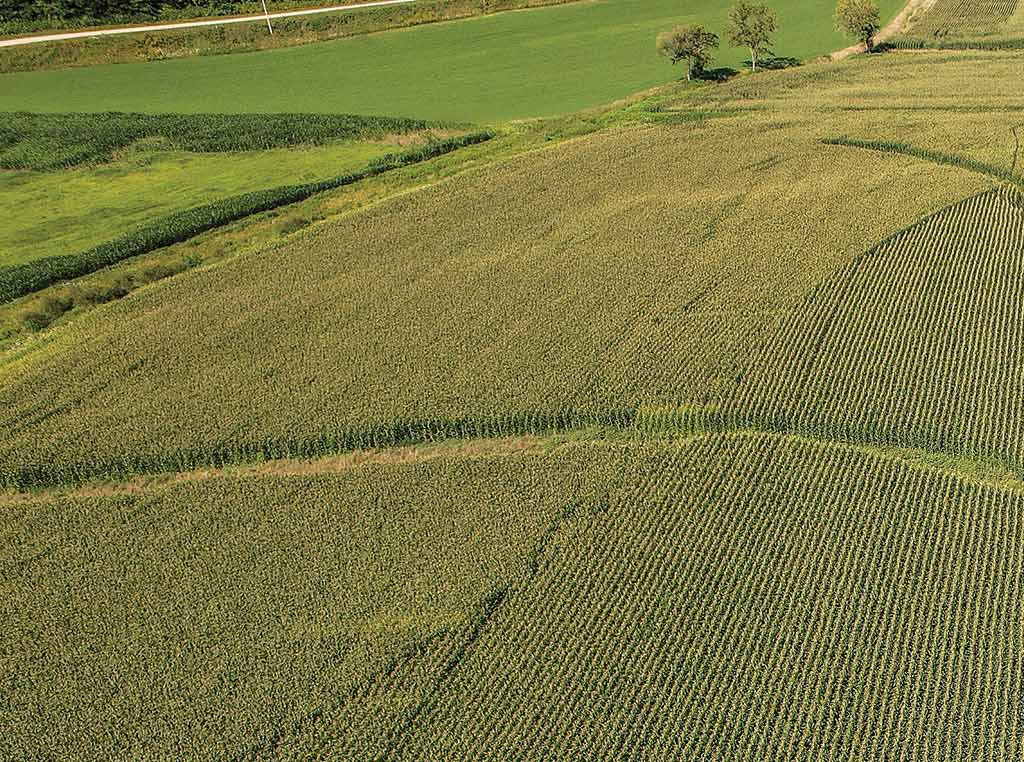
(512, 65)
(697, 437)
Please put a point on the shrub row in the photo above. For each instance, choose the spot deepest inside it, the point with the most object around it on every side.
(26, 278)
(46, 142)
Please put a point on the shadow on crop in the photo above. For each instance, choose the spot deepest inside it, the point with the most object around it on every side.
(719, 74)
(780, 63)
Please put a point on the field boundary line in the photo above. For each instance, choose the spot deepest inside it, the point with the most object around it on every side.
(663, 427)
(927, 154)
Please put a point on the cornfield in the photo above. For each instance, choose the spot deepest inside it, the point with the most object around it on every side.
(738, 597)
(372, 333)
(918, 343)
(697, 440)
(750, 599)
(950, 21)
(220, 612)
(48, 142)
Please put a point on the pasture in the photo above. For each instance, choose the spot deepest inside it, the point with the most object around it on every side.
(514, 65)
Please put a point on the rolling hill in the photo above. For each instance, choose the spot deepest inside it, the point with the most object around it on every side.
(687, 428)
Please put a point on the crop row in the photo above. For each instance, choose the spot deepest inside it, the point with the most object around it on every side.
(508, 293)
(328, 442)
(918, 43)
(218, 618)
(918, 343)
(961, 18)
(45, 142)
(18, 280)
(752, 598)
(952, 160)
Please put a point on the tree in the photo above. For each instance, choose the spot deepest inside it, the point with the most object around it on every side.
(859, 19)
(752, 26)
(692, 44)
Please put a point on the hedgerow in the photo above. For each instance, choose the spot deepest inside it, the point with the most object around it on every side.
(46, 142)
(34, 275)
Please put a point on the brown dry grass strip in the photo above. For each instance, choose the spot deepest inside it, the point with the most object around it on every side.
(454, 449)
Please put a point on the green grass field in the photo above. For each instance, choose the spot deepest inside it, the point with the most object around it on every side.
(507, 66)
(83, 207)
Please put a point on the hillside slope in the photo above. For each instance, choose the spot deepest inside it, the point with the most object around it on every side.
(514, 65)
(506, 300)
(712, 435)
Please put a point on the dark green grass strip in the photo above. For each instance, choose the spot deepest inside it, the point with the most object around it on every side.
(48, 142)
(22, 279)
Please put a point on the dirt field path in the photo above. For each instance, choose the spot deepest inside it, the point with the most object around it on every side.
(13, 41)
(890, 30)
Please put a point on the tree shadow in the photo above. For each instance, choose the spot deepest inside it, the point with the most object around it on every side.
(782, 62)
(719, 74)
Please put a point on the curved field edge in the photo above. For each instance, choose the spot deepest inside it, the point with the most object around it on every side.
(19, 280)
(915, 344)
(649, 426)
(937, 157)
(428, 441)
